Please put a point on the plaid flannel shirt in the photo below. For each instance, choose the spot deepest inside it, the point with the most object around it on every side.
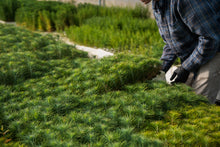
(190, 29)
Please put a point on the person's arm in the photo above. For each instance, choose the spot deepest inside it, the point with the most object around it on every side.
(168, 57)
(203, 19)
(169, 54)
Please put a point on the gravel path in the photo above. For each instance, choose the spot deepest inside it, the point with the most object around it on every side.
(92, 52)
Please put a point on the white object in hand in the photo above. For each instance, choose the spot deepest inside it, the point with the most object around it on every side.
(169, 74)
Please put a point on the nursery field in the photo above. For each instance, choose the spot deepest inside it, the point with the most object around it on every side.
(54, 95)
(116, 29)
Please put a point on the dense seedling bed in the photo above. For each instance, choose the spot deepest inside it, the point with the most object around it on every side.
(49, 116)
(53, 95)
(126, 30)
(117, 29)
(26, 55)
(192, 126)
(49, 16)
(122, 34)
(46, 16)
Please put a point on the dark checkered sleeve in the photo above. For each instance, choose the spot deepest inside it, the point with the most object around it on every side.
(168, 57)
(203, 19)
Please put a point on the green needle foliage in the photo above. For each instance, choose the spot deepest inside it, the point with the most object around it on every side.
(46, 16)
(8, 9)
(191, 126)
(123, 34)
(68, 99)
(112, 73)
(118, 29)
(25, 55)
(5, 140)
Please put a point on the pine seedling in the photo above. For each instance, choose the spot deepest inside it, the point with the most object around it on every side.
(47, 20)
(110, 137)
(100, 128)
(125, 121)
(41, 25)
(5, 139)
(173, 116)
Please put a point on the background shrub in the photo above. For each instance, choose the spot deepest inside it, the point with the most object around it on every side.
(118, 29)
(46, 16)
(8, 9)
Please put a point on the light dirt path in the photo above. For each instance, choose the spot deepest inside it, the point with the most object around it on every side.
(92, 52)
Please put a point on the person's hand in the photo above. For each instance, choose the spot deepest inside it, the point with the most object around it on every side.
(180, 75)
(146, 1)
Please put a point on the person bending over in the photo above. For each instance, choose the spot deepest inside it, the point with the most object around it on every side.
(191, 31)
